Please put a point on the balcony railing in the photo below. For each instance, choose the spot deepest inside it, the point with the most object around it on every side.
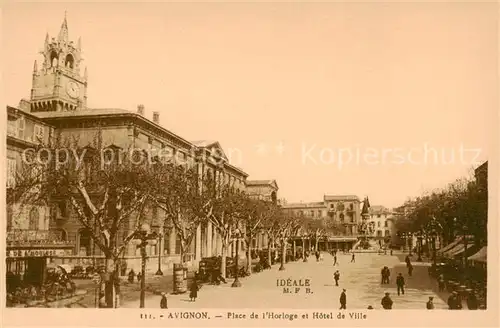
(35, 237)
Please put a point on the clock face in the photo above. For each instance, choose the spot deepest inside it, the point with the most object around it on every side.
(72, 89)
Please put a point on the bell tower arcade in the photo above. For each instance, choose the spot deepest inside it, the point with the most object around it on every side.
(58, 85)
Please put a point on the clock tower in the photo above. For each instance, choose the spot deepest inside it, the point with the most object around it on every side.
(58, 85)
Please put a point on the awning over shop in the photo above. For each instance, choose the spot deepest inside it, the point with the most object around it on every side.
(450, 246)
(480, 256)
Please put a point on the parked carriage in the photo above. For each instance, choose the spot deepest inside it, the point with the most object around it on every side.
(209, 268)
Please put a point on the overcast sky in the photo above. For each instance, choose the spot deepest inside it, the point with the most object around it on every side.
(380, 81)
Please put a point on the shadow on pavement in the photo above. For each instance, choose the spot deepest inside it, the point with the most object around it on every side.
(420, 278)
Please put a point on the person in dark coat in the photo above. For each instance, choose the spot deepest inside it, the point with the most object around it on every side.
(472, 302)
(400, 283)
(193, 291)
(163, 301)
(410, 269)
(335, 259)
(391, 251)
(407, 260)
(386, 302)
(387, 275)
(139, 277)
(430, 303)
(317, 256)
(343, 300)
(454, 302)
(353, 259)
(336, 276)
(131, 276)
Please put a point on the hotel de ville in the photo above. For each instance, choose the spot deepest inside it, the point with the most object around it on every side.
(57, 107)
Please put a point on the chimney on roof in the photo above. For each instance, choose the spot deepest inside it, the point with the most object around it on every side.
(156, 117)
(140, 110)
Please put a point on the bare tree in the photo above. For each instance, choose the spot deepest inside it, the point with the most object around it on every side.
(106, 189)
(178, 194)
(255, 213)
(227, 209)
(271, 225)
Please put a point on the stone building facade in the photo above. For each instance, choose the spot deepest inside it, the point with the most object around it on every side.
(58, 108)
(266, 190)
(342, 210)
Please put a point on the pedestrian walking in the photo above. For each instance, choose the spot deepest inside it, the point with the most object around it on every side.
(386, 302)
(335, 259)
(353, 259)
(472, 301)
(163, 301)
(336, 276)
(400, 283)
(387, 275)
(139, 277)
(430, 303)
(193, 291)
(454, 302)
(343, 300)
(410, 269)
(382, 274)
(391, 251)
(317, 256)
(407, 260)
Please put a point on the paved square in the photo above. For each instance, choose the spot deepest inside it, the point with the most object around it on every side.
(361, 280)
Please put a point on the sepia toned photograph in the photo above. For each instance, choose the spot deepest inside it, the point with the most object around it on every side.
(331, 158)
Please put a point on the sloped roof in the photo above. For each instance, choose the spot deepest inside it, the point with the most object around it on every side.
(379, 209)
(203, 143)
(304, 205)
(341, 197)
(85, 112)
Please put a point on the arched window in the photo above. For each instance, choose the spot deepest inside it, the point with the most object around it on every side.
(53, 59)
(34, 219)
(69, 61)
(273, 197)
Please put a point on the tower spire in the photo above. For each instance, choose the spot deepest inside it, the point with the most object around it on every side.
(63, 33)
(85, 74)
(46, 39)
(35, 67)
(79, 44)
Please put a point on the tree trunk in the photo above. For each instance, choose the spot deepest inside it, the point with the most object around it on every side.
(269, 253)
(294, 249)
(111, 277)
(249, 257)
(223, 258)
(283, 252)
(182, 252)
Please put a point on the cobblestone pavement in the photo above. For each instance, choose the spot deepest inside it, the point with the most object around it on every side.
(361, 280)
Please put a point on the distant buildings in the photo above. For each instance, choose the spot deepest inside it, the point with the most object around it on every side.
(339, 211)
(381, 223)
(263, 189)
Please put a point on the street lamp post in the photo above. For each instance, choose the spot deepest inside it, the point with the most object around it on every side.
(166, 229)
(304, 255)
(143, 238)
(410, 243)
(236, 282)
(419, 245)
